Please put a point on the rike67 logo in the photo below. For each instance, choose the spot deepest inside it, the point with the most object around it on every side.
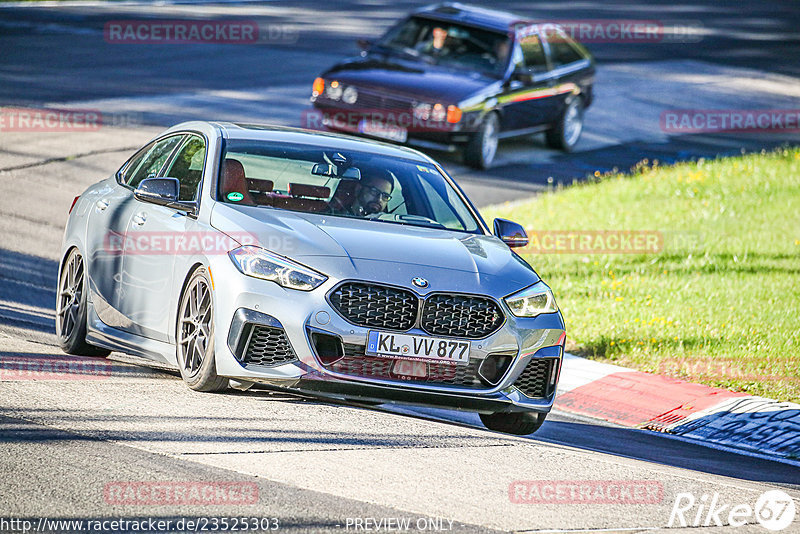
(774, 510)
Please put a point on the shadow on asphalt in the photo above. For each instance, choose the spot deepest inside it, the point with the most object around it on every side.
(27, 282)
(666, 450)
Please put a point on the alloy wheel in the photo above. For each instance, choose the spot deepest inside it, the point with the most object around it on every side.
(70, 293)
(195, 328)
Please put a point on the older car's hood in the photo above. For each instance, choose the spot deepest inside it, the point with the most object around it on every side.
(381, 251)
(414, 79)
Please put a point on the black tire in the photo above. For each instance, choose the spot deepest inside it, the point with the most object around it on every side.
(194, 336)
(482, 147)
(71, 308)
(517, 423)
(566, 133)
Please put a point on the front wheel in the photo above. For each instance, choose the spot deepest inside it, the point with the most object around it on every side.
(517, 423)
(565, 134)
(71, 308)
(195, 336)
(482, 147)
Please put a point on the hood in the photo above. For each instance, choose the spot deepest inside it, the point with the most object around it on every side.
(393, 253)
(415, 79)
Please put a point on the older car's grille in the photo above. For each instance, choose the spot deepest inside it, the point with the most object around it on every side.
(356, 363)
(460, 316)
(268, 346)
(372, 100)
(534, 382)
(443, 314)
(375, 306)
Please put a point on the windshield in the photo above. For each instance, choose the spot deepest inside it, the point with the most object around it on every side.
(340, 183)
(449, 44)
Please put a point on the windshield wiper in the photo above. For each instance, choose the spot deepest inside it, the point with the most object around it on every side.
(412, 220)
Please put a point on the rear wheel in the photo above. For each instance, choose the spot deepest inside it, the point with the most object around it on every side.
(195, 336)
(482, 147)
(564, 136)
(518, 423)
(71, 308)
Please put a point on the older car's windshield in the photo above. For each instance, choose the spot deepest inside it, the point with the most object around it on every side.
(450, 44)
(340, 183)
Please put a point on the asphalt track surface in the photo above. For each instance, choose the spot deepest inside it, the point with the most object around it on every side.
(319, 466)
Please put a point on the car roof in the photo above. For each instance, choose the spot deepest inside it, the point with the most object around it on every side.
(285, 134)
(490, 19)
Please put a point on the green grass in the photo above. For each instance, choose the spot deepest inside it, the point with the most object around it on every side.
(719, 304)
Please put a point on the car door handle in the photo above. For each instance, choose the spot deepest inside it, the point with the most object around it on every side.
(139, 219)
(101, 204)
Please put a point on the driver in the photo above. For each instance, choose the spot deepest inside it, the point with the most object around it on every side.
(371, 195)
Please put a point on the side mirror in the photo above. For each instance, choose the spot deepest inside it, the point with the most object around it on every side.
(164, 192)
(364, 44)
(511, 233)
(521, 74)
(158, 190)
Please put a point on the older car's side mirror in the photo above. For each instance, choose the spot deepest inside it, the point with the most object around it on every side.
(522, 74)
(511, 233)
(163, 191)
(530, 75)
(364, 44)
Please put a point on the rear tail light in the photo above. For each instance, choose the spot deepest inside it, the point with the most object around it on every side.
(74, 200)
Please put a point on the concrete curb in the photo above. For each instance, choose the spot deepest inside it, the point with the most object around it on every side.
(713, 415)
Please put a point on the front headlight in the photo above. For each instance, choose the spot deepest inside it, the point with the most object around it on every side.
(422, 111)
(260, 263)
(532, 301)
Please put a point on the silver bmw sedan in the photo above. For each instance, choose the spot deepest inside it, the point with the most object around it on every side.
(325, 264)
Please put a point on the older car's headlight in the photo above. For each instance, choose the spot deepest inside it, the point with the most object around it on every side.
(260, 263)
(532, 301)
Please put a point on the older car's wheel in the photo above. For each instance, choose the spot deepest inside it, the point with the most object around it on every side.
(518, 423)
(482, 147)
(71, 308)
(195, 336)
(564, 136)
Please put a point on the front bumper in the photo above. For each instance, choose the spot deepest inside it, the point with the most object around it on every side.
(244, 304)
(426, 134)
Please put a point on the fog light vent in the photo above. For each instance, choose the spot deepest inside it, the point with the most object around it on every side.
(494, 367)
(329, 348)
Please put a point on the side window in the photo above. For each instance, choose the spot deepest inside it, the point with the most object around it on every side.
(563, 50)
(149, 165)
(187, 167)
(533, 52)
(135, 161)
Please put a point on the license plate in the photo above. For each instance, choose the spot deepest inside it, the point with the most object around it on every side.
(424, 348)
(384, 131)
